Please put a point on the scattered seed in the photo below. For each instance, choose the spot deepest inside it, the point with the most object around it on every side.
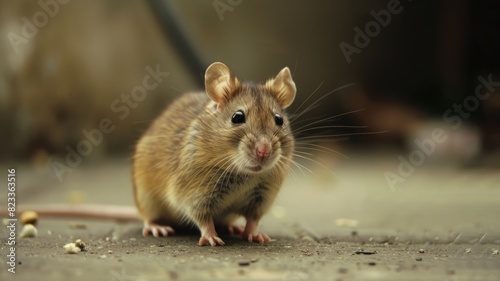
(468, 250)
(348, 223)
(372, 263)
(71, 248)
(421, 251)
(307, 238)
(29, 217)
(29, 230)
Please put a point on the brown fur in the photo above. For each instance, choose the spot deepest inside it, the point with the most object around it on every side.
(184, 167)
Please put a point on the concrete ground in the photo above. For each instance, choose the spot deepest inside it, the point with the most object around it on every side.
(339, 221)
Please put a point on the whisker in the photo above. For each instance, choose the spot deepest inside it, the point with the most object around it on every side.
(341, 135)
(329, 127)
(307, 99)
(319, 99)
(320, 148)
(300, 166)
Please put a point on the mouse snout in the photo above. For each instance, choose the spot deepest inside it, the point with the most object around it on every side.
(262, 150)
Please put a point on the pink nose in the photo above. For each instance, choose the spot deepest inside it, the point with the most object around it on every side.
(263, 150)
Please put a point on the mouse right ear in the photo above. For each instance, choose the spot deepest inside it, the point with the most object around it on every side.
(220, 83)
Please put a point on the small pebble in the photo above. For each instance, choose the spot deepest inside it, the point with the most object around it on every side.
(244, 263)
(29, 217)
(173, 275)
(79, 243)
(29, 230)
(362, 252)
(418, 259)
(343, 270)
(103, 257)
(78, 226)
(468, 250)
(110, 251)
(421, 251)
(372, 263)
(494, 252)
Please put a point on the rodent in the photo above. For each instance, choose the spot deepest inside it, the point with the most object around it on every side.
(195, 163)
(214, 156)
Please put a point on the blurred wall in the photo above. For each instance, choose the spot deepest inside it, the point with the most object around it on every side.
(66, 78)
(69, 74)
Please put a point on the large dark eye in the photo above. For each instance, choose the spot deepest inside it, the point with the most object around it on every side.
(238, 117)
(278, 119)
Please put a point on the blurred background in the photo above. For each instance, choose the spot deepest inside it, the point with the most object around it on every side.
(411, 150)
(65, 66)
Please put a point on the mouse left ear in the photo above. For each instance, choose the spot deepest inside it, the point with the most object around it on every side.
(282, 87)
(220, 83)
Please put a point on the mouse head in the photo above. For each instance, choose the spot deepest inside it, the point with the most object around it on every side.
(251, 119)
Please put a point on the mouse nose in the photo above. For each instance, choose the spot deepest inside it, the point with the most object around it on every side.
(262, 150)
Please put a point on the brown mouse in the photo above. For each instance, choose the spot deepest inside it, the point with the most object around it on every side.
(212, 157)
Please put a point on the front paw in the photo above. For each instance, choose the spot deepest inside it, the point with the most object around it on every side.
(256, 237)
(213, 240)
(156, 230)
